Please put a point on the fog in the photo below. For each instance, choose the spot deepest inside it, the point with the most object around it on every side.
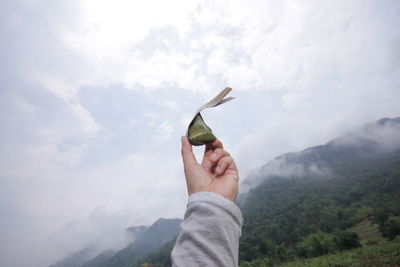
(375, 139)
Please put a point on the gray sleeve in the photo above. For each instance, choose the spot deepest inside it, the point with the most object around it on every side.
(209, 233)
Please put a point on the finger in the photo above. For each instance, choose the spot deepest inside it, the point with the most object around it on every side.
(210, 147)
(208, 152)
(217, 144)
(224, 164)
(218, 154)
(187, 153)
(207, 163)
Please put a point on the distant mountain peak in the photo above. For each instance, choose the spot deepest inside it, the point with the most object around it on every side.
(386, 121)
(161, 221)
(370, 140)
(136, 231)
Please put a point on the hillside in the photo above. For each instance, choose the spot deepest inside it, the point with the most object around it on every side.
(365, 143)
(324, 189)
(375, 251)
(146, 239)
(158, 234)
(282, 211)
(76, 259)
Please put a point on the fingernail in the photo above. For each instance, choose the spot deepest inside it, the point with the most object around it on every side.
(218, 169)
(214, 156)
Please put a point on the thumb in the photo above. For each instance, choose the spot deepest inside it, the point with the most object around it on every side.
(187, 153)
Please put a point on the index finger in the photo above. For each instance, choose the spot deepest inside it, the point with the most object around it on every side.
(187, 153)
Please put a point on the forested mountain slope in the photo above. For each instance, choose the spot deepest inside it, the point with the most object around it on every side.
(365, 143)
(158, 234)
(76, 259)
(146, 239)
(282, 211)
(324, 189)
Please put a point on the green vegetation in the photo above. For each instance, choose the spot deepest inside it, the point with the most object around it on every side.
(345, 240)
(391, 228)
(288, 218)
(158, 236)
(383, 254)
(159, 258)
(376, 251)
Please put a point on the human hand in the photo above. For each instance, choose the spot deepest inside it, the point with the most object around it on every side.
(217, 173)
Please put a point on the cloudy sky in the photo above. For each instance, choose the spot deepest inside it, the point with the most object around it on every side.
(95, 94)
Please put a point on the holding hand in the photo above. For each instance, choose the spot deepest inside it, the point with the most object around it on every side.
(217, 173)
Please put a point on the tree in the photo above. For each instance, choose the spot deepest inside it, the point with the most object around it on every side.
(346, 240)
(390, 228)
(315, 244)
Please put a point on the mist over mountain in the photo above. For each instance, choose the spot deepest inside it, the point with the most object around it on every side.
(364, 143)
(145, 239)
(309, 199)
(137, 231)
(158, 234)
(76, 259)
(90, 256)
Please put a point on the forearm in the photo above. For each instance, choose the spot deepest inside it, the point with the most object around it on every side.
(209, 233)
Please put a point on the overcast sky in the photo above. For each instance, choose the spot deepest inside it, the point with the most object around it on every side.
(95, 94)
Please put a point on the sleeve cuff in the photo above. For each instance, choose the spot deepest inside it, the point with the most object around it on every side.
(217, 200)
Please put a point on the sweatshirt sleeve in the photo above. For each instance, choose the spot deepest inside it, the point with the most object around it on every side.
(209, 233)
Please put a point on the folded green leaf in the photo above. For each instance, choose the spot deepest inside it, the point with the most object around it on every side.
(198, 132)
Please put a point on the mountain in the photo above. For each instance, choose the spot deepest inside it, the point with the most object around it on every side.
(362, 144)
(76, 259)
(158, 234)
(99, 259)
(137, 231)
(312, 195)
(89, 256)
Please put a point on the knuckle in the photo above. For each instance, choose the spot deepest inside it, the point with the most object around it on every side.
(228, 159)
(222, 152)
(218, 150)
(226, 153)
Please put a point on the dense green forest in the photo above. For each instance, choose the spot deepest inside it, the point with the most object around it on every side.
(374, 251)
(159, 258)
(284, 216)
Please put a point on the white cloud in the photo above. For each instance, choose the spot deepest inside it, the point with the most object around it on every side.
(170, 104)
(151, 118)
(164, 131)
